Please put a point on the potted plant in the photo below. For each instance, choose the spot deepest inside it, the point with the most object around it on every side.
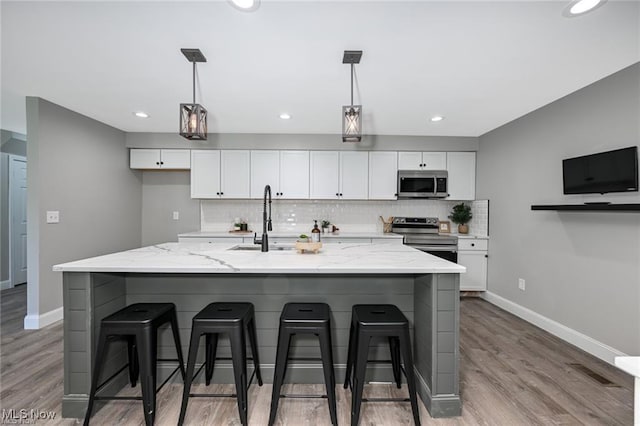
(461, 214)
(324, 224)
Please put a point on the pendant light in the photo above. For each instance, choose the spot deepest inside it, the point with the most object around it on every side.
(193, 116)
(352, 114)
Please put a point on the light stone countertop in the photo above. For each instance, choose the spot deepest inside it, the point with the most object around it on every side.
(351, 258)
(289, 234)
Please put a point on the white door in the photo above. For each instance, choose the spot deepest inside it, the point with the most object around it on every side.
(434, 161)
(18, 219)
(324, 183)
(476, 277)
(144, 159)
(294, 174)
(462, 175)
(354, 175)
(265, 170)
(409, 161)
(235, 174)
(175, 159)
(383, 175)
(205, 173)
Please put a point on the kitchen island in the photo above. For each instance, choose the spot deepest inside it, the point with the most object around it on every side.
(191, 275)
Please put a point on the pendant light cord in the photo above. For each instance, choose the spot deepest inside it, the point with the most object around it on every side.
(351, 84)
(194, 83)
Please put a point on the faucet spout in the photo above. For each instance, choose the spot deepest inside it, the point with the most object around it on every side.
(266, 221)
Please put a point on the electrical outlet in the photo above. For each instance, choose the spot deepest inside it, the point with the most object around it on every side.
(176, 215)
(521, 284)
(53, 216)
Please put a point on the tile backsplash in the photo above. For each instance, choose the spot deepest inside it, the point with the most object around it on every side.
(349, 216)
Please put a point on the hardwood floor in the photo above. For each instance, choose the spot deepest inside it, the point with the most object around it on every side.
(512, 373)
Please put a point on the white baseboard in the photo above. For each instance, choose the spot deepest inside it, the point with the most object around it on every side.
(5, 284)
(582, 341)
(35, 322)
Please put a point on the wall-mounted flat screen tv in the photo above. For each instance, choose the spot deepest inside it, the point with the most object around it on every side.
(611, 171)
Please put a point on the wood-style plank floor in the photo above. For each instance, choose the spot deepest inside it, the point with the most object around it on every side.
(512, 373)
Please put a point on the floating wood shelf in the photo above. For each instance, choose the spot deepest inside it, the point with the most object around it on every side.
(593, 207)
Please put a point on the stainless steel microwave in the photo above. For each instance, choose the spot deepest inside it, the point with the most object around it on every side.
(422, 184)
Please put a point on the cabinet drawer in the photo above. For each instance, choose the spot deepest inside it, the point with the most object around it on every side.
(472, 244)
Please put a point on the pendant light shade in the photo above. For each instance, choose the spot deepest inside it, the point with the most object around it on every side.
(351, 123)
(193, 116)
(352, 114)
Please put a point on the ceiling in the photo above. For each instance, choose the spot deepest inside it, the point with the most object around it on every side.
(480, 64)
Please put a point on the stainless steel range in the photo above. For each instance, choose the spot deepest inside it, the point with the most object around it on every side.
(422, 234)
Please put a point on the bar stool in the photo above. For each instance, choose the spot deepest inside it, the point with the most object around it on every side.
(231, 318)
(137, 324)
(369, 321)
(304, 318)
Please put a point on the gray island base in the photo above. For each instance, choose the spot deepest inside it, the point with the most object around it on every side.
(430, 300)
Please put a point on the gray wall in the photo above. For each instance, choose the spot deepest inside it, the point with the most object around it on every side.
(581, 269)
(11, 143)
(80, 167)
(165, 192)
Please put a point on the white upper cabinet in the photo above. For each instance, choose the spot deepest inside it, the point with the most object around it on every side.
(235, 174)
(205, 174)
(324, 175)
(286, 171)
(383, 175)
(354, 175)
(265, 170)
(462, 175)
(422, 160)
(294, 175)
(339, 175)
(176, 159)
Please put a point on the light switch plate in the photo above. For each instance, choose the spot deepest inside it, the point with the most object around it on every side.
(53, 216)
(176, 215)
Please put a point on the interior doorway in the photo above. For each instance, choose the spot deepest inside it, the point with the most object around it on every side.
(17, 220)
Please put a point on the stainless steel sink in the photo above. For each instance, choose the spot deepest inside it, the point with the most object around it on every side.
(257, 248)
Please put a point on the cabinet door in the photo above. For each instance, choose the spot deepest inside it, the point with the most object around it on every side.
(383, 175)
(476, 277)
(175, 159)
(462, 175)
(234, 174)
(324, 183)
(205, 174)
(294, 174)
(265, 170)
(434, 161)
(409, 160)
(354, 175)
(144, 159)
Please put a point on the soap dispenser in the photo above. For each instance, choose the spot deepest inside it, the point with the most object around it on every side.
(315, 233)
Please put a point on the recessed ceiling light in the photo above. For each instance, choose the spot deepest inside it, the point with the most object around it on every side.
(285, 116)
(141, 114)
(580, 7)
(436, 118)
(245, 5)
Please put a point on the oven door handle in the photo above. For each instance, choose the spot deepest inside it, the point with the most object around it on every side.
(435, 248)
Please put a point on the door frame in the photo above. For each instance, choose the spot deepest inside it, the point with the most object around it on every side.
(12, 236)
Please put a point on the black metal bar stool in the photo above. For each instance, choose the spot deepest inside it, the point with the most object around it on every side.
(369, 321)
(231, 318)
(138, 324)
(304, 318)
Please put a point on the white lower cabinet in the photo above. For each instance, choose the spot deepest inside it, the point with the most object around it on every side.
(473, 255)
